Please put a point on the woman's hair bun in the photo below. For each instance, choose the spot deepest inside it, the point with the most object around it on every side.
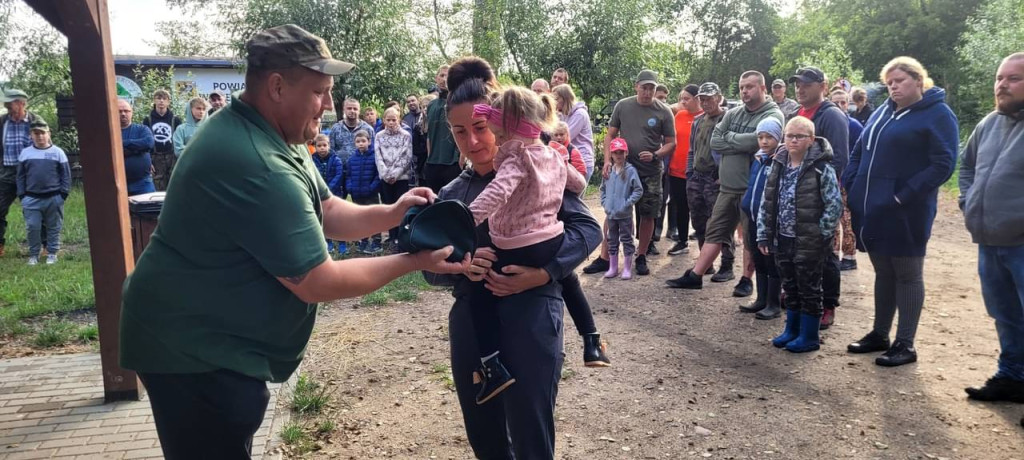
(466, 68)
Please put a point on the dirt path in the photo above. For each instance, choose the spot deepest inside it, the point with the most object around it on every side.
(684, 360)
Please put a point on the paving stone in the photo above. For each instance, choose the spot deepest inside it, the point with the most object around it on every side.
(124, 421)
(63, 442)
(83, 403)
(11, 417)
(27, 401)
(78, 425)
(112, 438)
(137, 427)
(18, 424)
(21, 446)
(144, 453)
(62, 419)
(81, 450)
(94, 431)
(32, 430)
(151, 434)
(48, 436)
(133, 445)
(46, 413)
(8, 440)
(31, 454)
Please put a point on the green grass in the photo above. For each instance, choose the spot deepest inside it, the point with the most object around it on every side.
(309, 397)
(292, 434)
(55, 333)
(443, 373)
(89, 333)
(28, 292)
(325, 426)
(404, 289)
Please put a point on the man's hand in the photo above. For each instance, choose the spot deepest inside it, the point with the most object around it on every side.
(434, 261)
(606, 169)
(483, 259)
(515, 279)
(646, 156)
(763, 248)
(414, 197)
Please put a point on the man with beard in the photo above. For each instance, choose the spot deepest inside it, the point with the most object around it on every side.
(991, 180)
(343, 133)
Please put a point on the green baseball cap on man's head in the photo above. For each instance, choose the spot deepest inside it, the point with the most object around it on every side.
(12, 95)
(288, 46)
(646, 77)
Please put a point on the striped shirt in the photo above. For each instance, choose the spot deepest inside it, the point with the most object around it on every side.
(16, 139)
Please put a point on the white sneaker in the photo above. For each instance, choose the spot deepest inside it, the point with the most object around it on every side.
(33, 260)
(51, 259)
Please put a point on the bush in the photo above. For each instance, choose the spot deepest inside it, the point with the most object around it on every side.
(54, 333)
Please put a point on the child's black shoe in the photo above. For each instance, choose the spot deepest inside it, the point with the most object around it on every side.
(593, 351)
(494, 379)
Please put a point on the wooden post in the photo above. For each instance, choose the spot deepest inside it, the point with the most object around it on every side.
(87, 27)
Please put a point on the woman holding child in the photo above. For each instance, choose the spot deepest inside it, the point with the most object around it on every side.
(518, 423)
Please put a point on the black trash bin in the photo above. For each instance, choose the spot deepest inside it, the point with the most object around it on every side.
(144, 211)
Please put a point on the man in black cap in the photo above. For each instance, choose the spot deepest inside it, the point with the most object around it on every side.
(831, 123)
(224, 297)
(14, 137)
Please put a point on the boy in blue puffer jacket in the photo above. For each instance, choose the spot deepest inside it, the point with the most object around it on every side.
(333, 172)
(363, 183)
(769, 284)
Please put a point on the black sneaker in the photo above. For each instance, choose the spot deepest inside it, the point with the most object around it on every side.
(689, 280)
(724, 274)
(599, 265)
(679, 248)
(870, 343)
(898, 354)
(641, 266)
(674, 235)
(744, 288)
(847, 265)
(652, 250)
(998, 389)
(495, 379)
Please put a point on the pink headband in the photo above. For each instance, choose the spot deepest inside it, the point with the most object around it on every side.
(495, 117)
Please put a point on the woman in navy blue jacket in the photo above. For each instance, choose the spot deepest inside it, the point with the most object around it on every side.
(907, 151)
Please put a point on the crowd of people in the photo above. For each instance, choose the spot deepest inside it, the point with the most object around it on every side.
(224, 297)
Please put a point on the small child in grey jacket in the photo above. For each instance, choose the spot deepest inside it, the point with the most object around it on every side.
(619, 192)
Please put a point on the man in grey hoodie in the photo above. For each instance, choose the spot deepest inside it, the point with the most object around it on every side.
(992, 197)
(734, 138)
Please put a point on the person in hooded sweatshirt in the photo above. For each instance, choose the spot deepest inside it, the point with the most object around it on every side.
(183, 133)
(574, 113)
(162, 122)
(797, 221)
(907, 151)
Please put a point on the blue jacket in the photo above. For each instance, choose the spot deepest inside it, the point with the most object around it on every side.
(855, 131)
(895, 173)
(333, 173)
(755, 187)
(138, 143)
(361, 179)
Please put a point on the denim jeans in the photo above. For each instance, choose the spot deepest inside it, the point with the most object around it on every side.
(1002, 286)
(141, 186)
(43, 213)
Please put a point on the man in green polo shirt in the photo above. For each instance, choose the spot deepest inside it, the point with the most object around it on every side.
(224, 298)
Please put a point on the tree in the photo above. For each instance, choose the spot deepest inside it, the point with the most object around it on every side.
(733, 36)
(812, 41)
(186, 38)
(43, 72)
(990, 36)
(487, 31)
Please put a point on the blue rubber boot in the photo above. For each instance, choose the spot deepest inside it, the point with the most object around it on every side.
(792, 329)
(808, 339)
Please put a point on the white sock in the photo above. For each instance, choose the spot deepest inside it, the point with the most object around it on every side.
(485, 358)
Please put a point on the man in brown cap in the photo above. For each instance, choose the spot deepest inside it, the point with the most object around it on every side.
(225, 296)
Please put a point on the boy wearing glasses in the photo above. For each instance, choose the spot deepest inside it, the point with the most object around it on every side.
(797, 222)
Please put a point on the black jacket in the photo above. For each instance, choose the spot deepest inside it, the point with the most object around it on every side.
(810, 206)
